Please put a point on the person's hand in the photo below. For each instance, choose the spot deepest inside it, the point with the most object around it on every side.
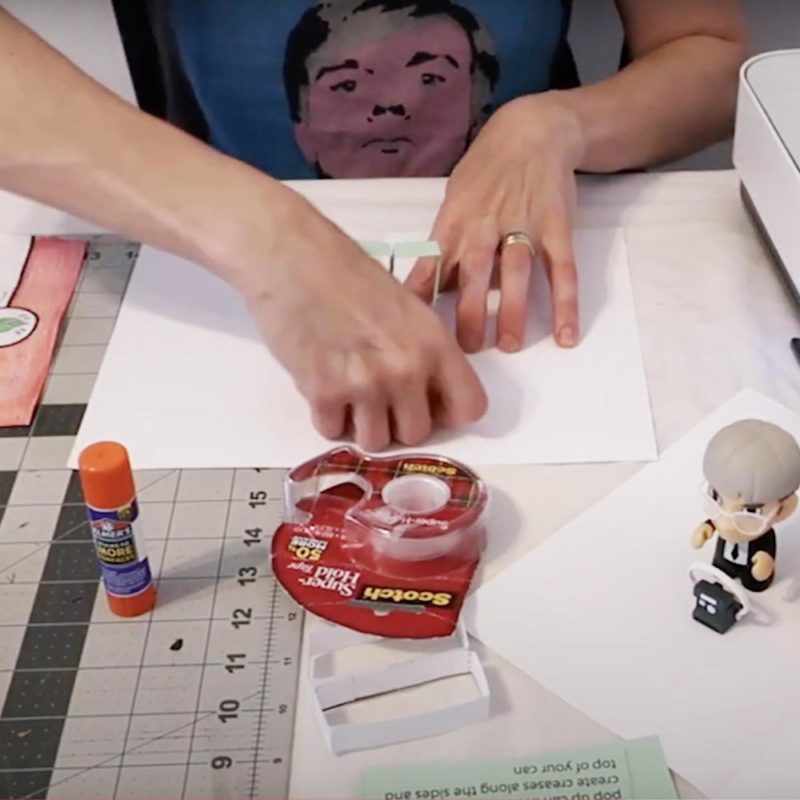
(518, 176)
(371, 358)
(763, 565)
(702, 534)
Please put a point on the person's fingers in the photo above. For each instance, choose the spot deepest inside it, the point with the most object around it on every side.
(327, 403)
(352, 398)
(457, 394)
(516, 263)
(371, 427)
(556, 240)
(423, 277)
(474, 277)
(329, 418)
(411, 414)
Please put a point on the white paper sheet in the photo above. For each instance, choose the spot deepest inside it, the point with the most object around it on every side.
(600, 614)
(187, 382)
(86, 32)
(13, 257)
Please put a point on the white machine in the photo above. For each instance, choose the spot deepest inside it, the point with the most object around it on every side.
(766, 153)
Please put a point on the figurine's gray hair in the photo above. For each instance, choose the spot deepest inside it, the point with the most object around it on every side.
(754, 461)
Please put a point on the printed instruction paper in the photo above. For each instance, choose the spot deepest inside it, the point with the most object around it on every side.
(617, 772)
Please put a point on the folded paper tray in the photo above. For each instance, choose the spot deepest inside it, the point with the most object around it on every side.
(334, 692)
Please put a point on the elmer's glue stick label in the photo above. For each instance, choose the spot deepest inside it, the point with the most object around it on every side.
(110, 497)
(120, 549)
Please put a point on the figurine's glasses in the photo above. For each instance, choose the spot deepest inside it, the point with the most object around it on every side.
(749, 522)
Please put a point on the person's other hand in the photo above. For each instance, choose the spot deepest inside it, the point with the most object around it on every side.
(372, 359)
(518, 176)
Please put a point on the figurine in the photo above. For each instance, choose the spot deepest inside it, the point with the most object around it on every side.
(752, 470)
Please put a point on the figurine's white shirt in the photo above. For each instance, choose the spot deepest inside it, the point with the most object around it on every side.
(741, 556)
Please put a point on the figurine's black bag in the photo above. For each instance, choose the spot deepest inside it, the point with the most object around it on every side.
(715, 606)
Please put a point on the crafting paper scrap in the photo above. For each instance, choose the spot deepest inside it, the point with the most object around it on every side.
(608, 625)
(650, 775)
(29, 325)
(224, 401)
(616, 772)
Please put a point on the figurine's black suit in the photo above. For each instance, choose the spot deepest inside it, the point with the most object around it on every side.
(737, 560)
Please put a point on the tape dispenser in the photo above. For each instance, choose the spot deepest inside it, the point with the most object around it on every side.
(384, 546)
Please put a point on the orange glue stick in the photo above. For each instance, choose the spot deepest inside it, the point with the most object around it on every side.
(110, 496)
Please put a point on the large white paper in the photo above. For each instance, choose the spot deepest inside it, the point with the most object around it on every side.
(600, 614)
(14, 252)
(187, 382)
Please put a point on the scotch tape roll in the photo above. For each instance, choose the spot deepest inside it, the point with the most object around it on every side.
(416, 531)
(413, 508)
(430, 509)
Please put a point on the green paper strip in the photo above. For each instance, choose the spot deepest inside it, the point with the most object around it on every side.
(376, 249)
(384, 250)
(417, 250)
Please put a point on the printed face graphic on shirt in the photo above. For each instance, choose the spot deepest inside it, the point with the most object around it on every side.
(394, 88)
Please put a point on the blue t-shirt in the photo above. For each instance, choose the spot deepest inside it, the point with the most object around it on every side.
(362, 88)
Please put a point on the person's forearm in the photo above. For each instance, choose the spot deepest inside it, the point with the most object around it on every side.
(70, 143)
(677, 99)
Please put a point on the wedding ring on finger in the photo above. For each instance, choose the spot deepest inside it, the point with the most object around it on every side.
(517, 237)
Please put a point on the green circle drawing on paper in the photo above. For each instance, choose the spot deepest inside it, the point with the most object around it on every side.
(16, 325)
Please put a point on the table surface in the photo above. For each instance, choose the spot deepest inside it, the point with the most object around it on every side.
(713, 317)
